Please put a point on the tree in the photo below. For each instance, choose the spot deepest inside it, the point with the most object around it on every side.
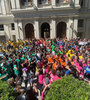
(7, 92)
(68, 88)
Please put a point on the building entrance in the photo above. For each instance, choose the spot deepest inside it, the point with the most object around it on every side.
(45, 30)
(61, 30)
(29, 31)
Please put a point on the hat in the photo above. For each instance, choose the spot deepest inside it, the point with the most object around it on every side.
(46, 80)
(24, 69)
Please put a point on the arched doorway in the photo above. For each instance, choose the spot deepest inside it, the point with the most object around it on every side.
(61, 30)
(45, 30)
(29, 31)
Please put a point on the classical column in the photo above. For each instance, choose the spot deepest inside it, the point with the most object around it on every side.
(3, 7)
(77, 3)
(12, 4)
(35, 2)
(17, 31)
(53, 2)
(36, 29)
(10, 32)
(7, 32)
(17, 4)
(75, 28)
(70, 29)
(53, 29)
(20, 27)
(0, 7)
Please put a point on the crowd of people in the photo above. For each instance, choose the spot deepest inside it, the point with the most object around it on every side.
(41, 62)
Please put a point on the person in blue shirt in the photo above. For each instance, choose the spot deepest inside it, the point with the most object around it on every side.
(87, 69)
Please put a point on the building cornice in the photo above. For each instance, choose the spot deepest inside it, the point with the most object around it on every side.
(6, 19)
(32, 9)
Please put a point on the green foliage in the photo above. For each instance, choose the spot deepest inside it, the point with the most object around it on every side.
(6, 91)
(68, 88)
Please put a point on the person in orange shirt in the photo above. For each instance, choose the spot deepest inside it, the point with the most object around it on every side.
(60, 60)
(50, 60)
(63, 63)
(55, 57)
(55, 65)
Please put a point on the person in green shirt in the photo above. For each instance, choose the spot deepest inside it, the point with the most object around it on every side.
(16, 71)
(18, 62)
(3, 74)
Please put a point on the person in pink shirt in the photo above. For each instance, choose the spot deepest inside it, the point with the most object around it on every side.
(80, 70)
(40, 80)
(41, 76)
(76, 48)
(57, 76)
(76, 64)
(61, 47)
(54, 75)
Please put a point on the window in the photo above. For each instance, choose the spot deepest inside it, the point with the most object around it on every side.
(80, 23)
(1, 27)
(57, 1)
(28, 2)
(12, 26)
(44, 1)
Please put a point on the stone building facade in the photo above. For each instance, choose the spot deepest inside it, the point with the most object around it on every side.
(25, 19)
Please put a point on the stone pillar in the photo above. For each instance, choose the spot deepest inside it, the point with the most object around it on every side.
(10, 32)
(53, 2)
(7, 32)
(53, 29)
(35, 3)
(36, 29)
(77, 3)
(7, 6)
(13, 4)
(70, 29)
(17, 4)
(75, 28)
(0, 7)
(17, 31)
(3, 7)
(20, 27)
